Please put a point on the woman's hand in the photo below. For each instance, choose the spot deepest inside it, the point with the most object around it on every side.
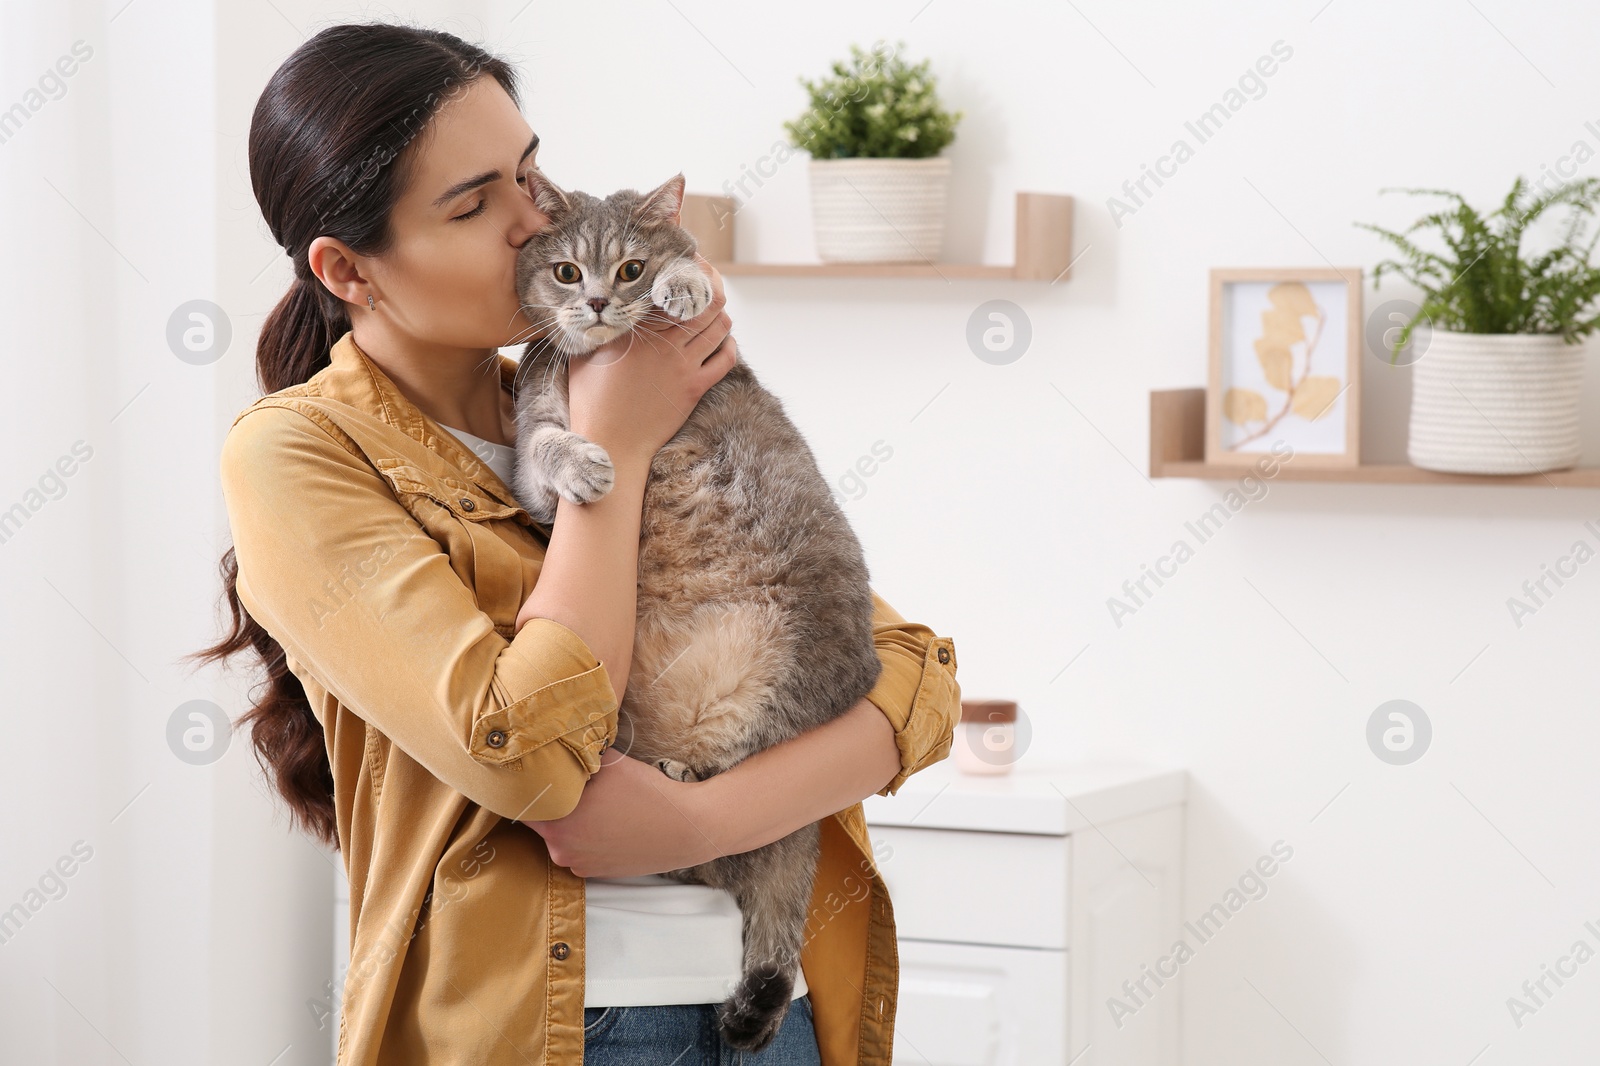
(631, 819)
(632, 394)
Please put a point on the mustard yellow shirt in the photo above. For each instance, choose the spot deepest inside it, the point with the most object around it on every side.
(390, 564)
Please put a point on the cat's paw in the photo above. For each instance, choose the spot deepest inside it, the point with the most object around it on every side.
(583, 473)
(682, 293)
(676, 770)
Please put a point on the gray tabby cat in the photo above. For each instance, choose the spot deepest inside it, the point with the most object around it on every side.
(754, 611)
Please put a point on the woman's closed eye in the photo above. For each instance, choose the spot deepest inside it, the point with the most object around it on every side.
(483, 204)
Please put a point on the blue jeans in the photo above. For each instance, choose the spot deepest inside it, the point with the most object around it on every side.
(685, 1034)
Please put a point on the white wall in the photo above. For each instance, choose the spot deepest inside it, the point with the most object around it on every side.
(1419, 897)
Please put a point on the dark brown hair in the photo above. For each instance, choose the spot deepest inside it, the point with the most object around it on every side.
(329, 157)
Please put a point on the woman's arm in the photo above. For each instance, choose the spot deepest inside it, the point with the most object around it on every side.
(590, 573)
(802, 780)
(632, 819)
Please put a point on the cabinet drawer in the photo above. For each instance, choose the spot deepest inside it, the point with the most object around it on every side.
(966, 1005)
(975, 888)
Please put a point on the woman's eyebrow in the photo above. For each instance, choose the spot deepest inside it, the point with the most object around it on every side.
(481, 179)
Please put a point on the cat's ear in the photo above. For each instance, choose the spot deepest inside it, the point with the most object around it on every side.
(664, 203)
(547, 196)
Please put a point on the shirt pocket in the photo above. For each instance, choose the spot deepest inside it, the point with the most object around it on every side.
(478, 533)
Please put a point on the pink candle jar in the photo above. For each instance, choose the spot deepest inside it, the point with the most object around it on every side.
(986, 738)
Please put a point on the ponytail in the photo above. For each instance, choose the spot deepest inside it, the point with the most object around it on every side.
(299, 334)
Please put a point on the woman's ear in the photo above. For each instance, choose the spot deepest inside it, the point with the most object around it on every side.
(664, 203)
(337, 269)
(547, 196)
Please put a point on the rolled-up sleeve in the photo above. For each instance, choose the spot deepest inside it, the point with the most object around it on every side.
(917, 690)
(351, 586)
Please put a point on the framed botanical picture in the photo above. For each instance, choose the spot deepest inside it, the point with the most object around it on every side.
(1285, 366)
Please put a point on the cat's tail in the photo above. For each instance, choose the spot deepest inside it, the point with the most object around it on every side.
(774, 895)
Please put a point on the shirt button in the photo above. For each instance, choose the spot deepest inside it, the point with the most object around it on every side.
(560, 951)
(944, 655)
(496, 738)
(467, 504)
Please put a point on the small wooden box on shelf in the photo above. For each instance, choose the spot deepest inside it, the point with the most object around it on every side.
(1178, 447)
(1044, 246)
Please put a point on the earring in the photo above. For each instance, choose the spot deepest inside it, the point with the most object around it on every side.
(370, 305)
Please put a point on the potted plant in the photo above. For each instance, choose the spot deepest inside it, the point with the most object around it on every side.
(1495, 390)
(874, 130)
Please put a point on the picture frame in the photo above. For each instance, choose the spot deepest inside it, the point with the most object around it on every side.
(1275, 384)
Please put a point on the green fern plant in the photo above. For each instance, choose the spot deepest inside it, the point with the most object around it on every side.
(877, 106)
(1484, 283)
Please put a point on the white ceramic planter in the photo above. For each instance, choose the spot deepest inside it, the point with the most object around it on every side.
(879, 210)
(1495, 403)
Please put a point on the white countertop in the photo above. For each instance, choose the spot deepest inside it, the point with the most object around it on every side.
(1035, 797)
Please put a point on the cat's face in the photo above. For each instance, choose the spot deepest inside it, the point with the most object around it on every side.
(588, 275)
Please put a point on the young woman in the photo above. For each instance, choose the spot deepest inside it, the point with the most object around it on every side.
(443, 674)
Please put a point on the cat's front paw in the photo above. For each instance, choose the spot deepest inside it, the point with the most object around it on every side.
(682, 293)
(584, 473)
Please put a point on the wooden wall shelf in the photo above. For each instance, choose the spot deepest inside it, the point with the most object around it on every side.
(1044, 246)
(1177, 449)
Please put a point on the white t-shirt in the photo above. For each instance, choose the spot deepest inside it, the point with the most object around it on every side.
(497, 457)
(650, 940)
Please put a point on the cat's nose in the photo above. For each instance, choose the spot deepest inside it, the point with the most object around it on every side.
(598, 303)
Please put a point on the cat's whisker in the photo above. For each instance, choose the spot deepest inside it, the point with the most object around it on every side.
(538, 321)
(522, 335)
(661, 316)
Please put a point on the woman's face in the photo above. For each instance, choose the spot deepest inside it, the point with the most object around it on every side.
(449, 278)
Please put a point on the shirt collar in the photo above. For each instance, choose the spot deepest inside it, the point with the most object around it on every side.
(355, 378)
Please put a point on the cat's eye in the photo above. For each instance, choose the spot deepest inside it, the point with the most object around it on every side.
(631, 270)
(568, 273)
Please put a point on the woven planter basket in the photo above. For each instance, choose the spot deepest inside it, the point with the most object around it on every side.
(879, 210)
(1495, 403)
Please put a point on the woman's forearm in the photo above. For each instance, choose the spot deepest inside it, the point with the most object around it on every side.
(802, 780)
(631, 819)
(590, 576)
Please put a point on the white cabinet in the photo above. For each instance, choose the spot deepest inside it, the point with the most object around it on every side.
(972, 1005)
(1024, 904)
(935, 875)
